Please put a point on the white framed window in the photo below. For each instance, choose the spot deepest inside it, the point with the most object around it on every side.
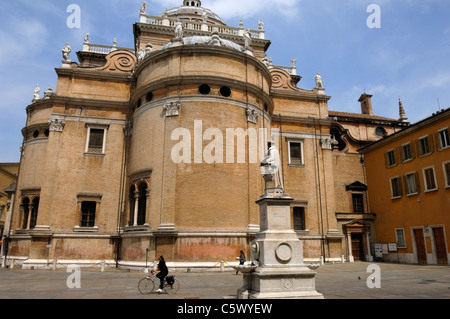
(446, 168)
(412, 184)
(96, 139)
(407, 152)
(429, 177)
(396, 187)
(391, 158)
(400, 237)
(425, 145)
(295, 149)
(444, 139)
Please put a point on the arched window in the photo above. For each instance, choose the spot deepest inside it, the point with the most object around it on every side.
(26, 212)
(132, 202)
(138, 203)
(142, 205)
(34, 212)
(30, 212)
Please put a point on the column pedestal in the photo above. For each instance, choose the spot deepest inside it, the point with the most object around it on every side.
(278, 254)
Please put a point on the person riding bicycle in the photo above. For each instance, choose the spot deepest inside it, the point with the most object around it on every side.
(163, 272)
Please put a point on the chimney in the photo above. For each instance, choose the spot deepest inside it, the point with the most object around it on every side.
(366, 104)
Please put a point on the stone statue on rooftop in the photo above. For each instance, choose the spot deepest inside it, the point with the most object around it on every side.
(178, 30)
(65, 52)
(247, 38)
(144, 7)
(36, 93)
(86, 38)
(141, 55)
(319, 81)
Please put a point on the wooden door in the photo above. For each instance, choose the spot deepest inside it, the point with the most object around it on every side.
(420, 246)
(357, 246)
(441, 250)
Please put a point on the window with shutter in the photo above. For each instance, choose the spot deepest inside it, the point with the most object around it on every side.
(396, 187)
(429, 179)
(446, 167)
(444, 140)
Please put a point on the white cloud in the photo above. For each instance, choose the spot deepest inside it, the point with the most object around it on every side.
(440, 80)
(21, 40)
(237, 8)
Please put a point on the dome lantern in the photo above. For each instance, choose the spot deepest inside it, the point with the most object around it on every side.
(192, 3)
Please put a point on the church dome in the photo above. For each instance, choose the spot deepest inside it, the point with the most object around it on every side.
(192, 10)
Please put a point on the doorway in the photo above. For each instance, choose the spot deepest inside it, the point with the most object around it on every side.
(420, 247)
(357, 247)
(441, 249)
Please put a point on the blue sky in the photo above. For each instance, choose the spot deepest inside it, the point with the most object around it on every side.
(408, 57)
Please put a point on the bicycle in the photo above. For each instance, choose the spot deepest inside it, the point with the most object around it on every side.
(147, 285)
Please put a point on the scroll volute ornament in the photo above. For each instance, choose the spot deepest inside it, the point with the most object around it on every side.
(282, 80)
(119, 61)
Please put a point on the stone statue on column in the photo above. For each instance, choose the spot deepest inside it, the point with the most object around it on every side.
(271, 170)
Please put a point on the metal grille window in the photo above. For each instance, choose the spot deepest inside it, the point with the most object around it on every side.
(295, 153)
(400, 235)
(96, 137)
(299, 218)
(358, 203)
(88, 214)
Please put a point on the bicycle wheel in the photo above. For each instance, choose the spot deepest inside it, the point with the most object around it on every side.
(172, 289)
(146, 286)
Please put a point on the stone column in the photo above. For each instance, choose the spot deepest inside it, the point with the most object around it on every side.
(369, 254)
(30, 213)
(350, 255)
(136, 207)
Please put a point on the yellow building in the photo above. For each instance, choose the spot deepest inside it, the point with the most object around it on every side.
(157, 149)
(408, 178)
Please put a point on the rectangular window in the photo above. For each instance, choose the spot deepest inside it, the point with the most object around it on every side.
(396, 187)
(424, 146)
(411, 184)
(406, 151)
(96, 141)
(296, 153)
(391, 161)
(358, 203)
(400, 235)
(96, 138)
(429, 178)
(447, 173)
(299, 218)
(444, 138)
(88, 214)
